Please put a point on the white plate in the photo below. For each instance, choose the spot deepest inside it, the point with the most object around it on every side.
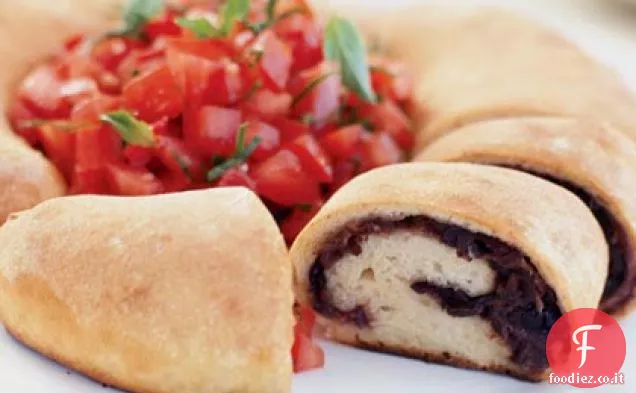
(609, 34)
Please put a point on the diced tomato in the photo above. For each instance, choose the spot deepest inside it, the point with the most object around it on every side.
(59, 146)
(89, 181)
(313, 158)
(343, 172)
(137, 156)
(275, 60)
(282, 179)
(316, 93)
(95, 147)
(178, 160)
(91, 108)
(154, 95)
(165, 26)
(269, 136)
(391, 79)
(304, 35)
(131, 182)
(344, 142)
(306, 354)
(236, 177)
(204, 72)
(289, 129)
(139, 62)
(387, 116)
(41, 93)
(75, 90)
(297, 220)
(110, 52)
(212, 130)
(380, 150)
(267, 104)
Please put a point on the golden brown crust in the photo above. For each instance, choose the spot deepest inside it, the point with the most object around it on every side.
(599, 160)
(466, 72)
(184, 292)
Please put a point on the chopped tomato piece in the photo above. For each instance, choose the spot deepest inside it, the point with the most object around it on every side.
(282, 179)
(89, 181)
(110, 52)
(59, 146)
(204, 72)
(95, 147)
(236, 177)
(137, 156)
(307, 355)
(343, 172)
(390, 79)
(131, 182)
(267, 104)
(139, 62)
(91, 108)
(212, 130)
(379, 150)
(41, 92)
(387, 116)
(304, 35)
(154, 95)
(179, 160)
(275, 60)
(316, 93)
(344, 142)
(313, 158)
(297, 220)
(269, 136)
(165, 26)
(289, 129)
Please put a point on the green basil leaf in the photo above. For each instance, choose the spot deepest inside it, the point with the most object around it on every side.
(233, 11)
(138, 12)
(271, 9)
(131, 130)
(241, 154)
(344, 45)
(201, 27)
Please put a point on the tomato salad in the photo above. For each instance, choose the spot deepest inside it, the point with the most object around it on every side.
(259, 94)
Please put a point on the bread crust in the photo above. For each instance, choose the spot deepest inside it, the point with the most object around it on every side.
(599, 160)
(535, 72)
(547, 223)
(188, 292)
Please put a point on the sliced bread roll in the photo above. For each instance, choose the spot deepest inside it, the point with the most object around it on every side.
(462, 264)
(596, 163)
(188, 292)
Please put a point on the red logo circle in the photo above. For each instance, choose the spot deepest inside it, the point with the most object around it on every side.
(586, 348)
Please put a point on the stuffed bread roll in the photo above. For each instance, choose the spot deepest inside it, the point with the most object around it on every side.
(462, 264)
(596, 163)
(188, 292)
(517, 67)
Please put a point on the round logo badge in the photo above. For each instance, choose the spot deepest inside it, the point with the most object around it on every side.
(586, 348)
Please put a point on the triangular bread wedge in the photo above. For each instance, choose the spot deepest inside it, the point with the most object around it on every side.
(188, 292)
(463, 264)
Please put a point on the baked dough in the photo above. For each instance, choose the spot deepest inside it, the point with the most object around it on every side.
(188, 292)
(597, 163)
(370, 286)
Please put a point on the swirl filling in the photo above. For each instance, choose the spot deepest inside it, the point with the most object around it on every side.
(520, 307)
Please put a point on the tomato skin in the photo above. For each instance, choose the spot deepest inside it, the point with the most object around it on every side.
(40, 91)
(306, 354)
(387, 116)
(289, 129)
(380, 150)
(322, 101)
(282, 179)
(267, 105)
(294, 224)
(130, 182)
(212, 130)
(270, 139)
(154, 95)
(275, 61)
(304, 36)
(344, 142)
(236, 177)
(313, 158)
(59, 146)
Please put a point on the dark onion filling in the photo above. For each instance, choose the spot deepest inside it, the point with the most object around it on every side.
(621, 278)
(521, 309)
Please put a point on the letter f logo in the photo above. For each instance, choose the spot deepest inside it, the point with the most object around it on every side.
(583, 344)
